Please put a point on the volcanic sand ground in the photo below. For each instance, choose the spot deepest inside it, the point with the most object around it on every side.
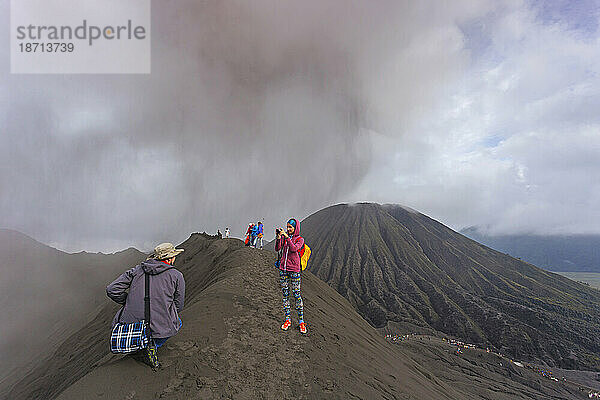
(231, 346)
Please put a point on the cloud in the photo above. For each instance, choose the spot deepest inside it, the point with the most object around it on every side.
(515, 146)
(253, 111)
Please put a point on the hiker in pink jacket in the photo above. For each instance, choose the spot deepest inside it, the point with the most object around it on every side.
(288, 244)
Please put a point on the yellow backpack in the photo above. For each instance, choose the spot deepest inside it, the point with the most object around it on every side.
(304, 254)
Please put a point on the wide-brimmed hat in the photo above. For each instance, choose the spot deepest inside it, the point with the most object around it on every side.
(164, 251)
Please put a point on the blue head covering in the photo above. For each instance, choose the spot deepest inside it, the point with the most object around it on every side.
(292, 222)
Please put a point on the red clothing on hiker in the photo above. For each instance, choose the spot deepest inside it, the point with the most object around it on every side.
(290, 259)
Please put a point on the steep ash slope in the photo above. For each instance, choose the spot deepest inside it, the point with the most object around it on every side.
(45, 294)
(402, 269)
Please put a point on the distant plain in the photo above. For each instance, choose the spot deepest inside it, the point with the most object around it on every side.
(591, 278)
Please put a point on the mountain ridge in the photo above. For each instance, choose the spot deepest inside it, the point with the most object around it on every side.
(561, 253)
(402, 268)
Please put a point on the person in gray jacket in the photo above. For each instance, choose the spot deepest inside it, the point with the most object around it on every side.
(167, 292)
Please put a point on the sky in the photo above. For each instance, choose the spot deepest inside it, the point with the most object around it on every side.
(473, 112)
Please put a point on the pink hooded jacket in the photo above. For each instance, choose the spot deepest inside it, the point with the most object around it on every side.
(290, 259)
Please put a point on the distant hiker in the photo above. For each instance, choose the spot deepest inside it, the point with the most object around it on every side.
(219, 234)
(253, 235)
(259, 236)
(226, 233)
(290, 243)
(249, 234)
(167, 292)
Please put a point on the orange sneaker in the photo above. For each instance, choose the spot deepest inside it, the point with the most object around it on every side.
(286, 325)
(303, 328)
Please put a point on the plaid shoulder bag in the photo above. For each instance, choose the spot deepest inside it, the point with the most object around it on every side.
(129, 338)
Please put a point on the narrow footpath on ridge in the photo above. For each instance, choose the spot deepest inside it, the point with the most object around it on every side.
(231, 345)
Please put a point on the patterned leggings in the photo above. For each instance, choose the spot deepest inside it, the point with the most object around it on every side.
(285, 278)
